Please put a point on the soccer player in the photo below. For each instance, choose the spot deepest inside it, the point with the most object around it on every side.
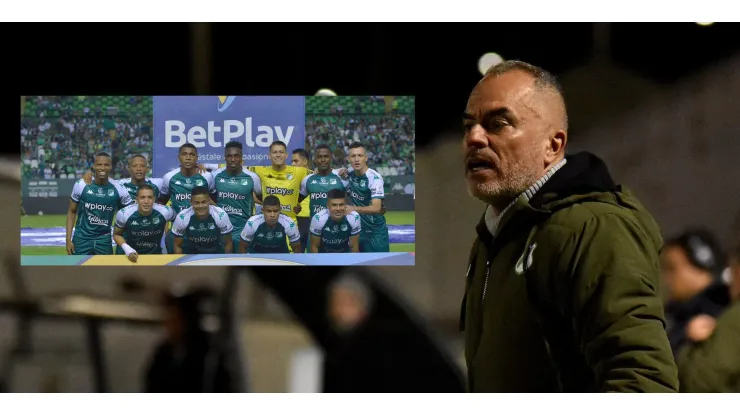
(235, 189)
(300, 158)
(267, 232)
(281, 180)
(317, 185)
(366, 193)
(140, 227)
(91, 211)
(138, 167)
(332, 229)
(203, 228)
(178, 184)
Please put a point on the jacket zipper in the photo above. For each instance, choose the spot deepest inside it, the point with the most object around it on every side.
(485, 281)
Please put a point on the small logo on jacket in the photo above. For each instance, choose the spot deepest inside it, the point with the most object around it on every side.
(519, 268)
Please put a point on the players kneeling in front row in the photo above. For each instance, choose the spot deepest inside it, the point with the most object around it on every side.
(332, 229)
(140, 227)
(270, 231)
(202, 228)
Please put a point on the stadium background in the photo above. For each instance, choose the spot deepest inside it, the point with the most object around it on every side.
(61, 134)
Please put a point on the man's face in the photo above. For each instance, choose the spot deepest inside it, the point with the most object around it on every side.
(102, 167)
(346, 309)
(200, 204)
(188, 157)
(233, 159)
(358, 158)
(145, 199)
(277, 155)
(505, 137)
(137, 168)
(299, 160)
(336, 208)
(323, 159)
(679, 275)
(271, 214)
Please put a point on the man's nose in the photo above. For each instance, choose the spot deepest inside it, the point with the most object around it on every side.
(476, 137)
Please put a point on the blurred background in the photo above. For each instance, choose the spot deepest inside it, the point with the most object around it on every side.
(657, 102)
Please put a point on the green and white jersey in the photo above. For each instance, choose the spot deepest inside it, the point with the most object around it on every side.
(155, 183)
(96, 207)
(179, 187)
(335, 235)
(202, 236)
(362, 189)
(265, 239)
(317, 187)
(234, 194)
(144, 232)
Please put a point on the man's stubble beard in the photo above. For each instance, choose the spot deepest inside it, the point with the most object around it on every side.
(501, 191)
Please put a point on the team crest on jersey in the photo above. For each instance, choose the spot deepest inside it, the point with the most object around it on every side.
(155, 220)
(279, 234)
(289, 176)
(344, 227)
(362, 183)
(245, 182)
(332, 181)
(110, 192)
(198, 182)
(211, 226)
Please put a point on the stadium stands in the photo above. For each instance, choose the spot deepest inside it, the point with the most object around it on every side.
(61, 134)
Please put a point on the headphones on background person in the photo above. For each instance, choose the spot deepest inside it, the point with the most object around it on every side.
(702, 250)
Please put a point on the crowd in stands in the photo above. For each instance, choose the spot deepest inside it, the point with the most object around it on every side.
(61, 134)
(387, 133)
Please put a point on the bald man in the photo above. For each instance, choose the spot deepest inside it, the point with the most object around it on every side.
(561, 289)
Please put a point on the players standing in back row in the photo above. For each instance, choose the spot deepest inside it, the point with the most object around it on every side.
(178, 185)
(366, 193)
(92, 209)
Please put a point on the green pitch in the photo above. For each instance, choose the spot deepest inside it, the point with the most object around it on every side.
(51, 221)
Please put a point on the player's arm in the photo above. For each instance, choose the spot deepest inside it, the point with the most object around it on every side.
(71, 218)
(228, 244)
(246, 236)
(303, 192)
(354, 243)
(164, 190)
(77, 190)
(375, 207)
(226, 228)
(314, 231)
(210, 181)
(354, 238)
(315, 243)
(179, 228)
(294, 236)
(257, 199)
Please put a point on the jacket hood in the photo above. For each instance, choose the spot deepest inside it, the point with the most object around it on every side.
(585, 177)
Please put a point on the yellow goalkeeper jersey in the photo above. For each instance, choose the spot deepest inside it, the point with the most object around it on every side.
(284, 184)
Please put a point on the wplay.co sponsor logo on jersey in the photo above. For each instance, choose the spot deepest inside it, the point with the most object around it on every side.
(225, 102)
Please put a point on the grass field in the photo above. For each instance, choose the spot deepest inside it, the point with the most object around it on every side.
(52, 221)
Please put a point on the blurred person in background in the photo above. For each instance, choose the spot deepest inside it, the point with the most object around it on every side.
(692, 265)
(710, 361)
(372, 351)
(188, 360)
(562, 283)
